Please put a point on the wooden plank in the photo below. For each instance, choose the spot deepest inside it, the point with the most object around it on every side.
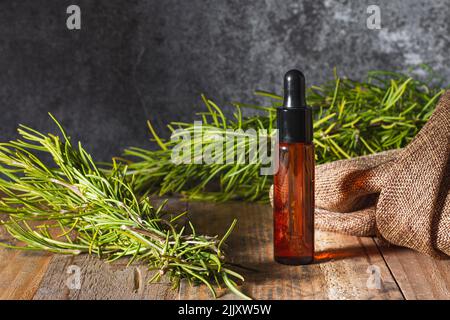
(99, 280)
(102, 280)
(340, 271)
(20, 271)
(418, 276)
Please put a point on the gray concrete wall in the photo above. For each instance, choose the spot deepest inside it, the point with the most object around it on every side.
(134, 60)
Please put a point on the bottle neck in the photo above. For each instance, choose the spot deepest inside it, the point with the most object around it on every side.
(295, 125)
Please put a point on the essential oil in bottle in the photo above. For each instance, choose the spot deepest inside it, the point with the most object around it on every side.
(293, 196)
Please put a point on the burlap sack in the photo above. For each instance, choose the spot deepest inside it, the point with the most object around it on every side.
(401, 196)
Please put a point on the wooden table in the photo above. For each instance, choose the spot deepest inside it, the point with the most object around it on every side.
(345, 267)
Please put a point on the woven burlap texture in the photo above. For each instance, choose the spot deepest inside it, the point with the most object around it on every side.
(402, 196)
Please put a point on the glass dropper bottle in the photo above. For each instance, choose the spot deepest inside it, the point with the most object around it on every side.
(294, 180)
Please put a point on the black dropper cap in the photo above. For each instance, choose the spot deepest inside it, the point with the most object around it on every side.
(294, 118)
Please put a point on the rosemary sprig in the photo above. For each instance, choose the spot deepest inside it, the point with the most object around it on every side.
(352, 118)
(76, 207)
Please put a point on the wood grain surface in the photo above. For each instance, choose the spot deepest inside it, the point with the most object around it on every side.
(345, 267)
(340, 271)
(20, 271)
(419, 277)
(99, 280)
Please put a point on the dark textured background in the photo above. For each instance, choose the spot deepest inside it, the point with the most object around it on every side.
(134, 60)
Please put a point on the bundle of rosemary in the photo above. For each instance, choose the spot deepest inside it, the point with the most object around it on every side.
(76, 207)
(351, 118)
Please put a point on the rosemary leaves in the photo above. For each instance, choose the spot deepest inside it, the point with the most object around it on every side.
(351, 118)
(75, 207)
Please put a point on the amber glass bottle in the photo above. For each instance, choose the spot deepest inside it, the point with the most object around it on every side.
(294, 180)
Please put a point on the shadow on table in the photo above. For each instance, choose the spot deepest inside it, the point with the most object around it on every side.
(258, 272)
(339, 254)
